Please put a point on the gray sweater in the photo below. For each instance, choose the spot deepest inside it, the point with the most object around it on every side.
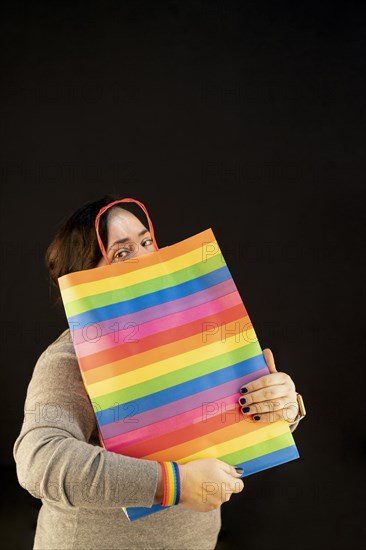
(59, 459)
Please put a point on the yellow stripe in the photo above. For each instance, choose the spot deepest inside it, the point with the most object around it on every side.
(139, 276)
(280, 427)
(171, 484)
(171, 364)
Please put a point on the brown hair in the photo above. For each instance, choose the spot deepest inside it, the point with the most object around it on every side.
(75, 246)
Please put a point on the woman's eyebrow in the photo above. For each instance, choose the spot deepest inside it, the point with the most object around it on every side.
(120, 241)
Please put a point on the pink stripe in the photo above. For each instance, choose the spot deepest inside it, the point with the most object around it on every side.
(85, 334)
(109, 341)
(186, 404)
(123, 442)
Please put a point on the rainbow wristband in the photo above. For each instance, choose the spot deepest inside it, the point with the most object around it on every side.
(171, 483)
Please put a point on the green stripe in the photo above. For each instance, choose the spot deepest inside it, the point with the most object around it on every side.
(259, 449)
(177, 377)
(153, 285)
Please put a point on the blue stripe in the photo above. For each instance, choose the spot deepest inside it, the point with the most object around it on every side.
(139, 512)
(269, 460)
(185, 389)
(153, 298)
(177, 483)
(250, 467)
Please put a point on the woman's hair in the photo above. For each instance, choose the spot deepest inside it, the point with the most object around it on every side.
(75, 246)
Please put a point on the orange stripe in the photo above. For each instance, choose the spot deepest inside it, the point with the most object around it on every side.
(146, 260)
(164, 347)
(176, 437)
(176, 452)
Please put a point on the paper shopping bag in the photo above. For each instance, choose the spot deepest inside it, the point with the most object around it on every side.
(164, 343)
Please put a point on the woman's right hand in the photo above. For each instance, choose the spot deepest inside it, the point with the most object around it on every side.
(207, 483)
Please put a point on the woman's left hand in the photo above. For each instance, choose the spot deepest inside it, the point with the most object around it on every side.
(271, 397)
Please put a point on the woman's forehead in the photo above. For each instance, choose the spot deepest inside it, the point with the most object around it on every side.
(122, 221)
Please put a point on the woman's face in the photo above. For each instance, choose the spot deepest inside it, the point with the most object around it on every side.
(127, 237)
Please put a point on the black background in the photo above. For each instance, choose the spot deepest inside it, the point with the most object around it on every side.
(246, 117)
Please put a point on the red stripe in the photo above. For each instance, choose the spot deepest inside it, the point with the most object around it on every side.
(128, 349)
(183, 435)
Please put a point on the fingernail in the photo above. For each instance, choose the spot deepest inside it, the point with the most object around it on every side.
(256, 417)
(245, 409)
(242, 401)
(239, 470)
(243, 390)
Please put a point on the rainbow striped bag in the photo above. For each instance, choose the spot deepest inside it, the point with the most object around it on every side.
(164, 343)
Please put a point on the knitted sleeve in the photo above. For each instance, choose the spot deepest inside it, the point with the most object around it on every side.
(54, 459)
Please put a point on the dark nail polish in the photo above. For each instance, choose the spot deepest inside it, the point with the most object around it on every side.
(243, 390)
(242, 401)
(239, 470)
(256, 417)
(246, 409)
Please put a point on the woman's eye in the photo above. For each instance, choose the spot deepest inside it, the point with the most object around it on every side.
(119, 256)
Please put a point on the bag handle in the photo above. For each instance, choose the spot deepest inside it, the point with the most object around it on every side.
(102, 210)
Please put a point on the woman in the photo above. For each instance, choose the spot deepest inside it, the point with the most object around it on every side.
(58, 454)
